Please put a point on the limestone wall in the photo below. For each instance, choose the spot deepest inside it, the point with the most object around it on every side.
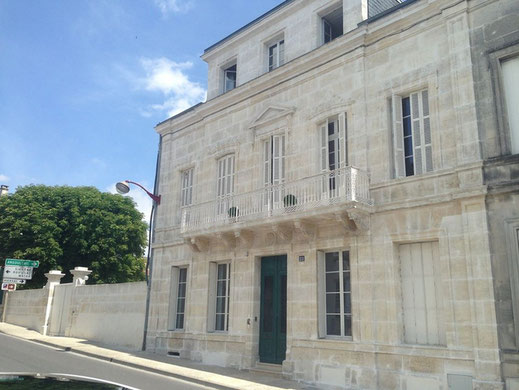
(26, 308)
(111, 314)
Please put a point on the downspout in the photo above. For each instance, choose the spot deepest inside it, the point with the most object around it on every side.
(149, 261)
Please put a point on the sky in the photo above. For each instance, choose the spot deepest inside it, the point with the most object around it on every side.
(84, 82)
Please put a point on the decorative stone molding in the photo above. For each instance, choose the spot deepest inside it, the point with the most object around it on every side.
(198, 244)
(80, 275)
(304, 230)
(360, 218)
(244, 238)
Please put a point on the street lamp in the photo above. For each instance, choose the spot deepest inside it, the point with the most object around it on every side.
(123, 187)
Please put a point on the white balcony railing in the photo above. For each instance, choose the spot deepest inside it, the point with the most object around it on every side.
(343, 185)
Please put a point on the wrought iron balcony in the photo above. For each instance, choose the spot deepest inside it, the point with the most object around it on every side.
(346, 188)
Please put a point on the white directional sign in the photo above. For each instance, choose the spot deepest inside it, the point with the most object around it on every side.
(17, 272)
(15, 281)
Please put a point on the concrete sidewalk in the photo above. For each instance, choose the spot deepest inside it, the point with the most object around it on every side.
(218, 377)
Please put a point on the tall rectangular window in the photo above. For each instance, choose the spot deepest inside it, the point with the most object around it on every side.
(422, 294)
(177, 298)
(276, 55)
(332, 25)
(219, 297)
(335, 314)
(510, 73)
(229, 78)
(274, 167)
(412, 146)
(186, 198)
(225, 183)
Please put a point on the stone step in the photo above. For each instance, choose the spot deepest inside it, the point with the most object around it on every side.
(268, 369)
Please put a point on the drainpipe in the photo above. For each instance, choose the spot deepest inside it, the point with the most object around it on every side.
(149, 262)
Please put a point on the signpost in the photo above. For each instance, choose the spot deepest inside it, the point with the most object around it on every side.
(17, 272)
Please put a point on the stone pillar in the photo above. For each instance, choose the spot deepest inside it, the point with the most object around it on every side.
(53, 280)
(80, 275)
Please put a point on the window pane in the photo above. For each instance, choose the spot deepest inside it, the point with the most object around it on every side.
(222, 271)
(332, 282)
(180, 321)
(331, 127)
(346, 281)
(182, 275)
(332, 261)
(182, 290)
(347, 325)
(333, 325)
(347, 303)
(406, 111)
(221, 288)
(333, 303)
(345, 260)
(181, 305)
(409, 166)
(220, 305)
(220, 322)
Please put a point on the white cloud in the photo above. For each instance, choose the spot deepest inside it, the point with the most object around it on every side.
(4, 178)
(169, 78)
(173, 6)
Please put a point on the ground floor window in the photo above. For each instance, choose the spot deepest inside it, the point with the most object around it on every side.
(334, 294)
(219, 297)
(177, 298)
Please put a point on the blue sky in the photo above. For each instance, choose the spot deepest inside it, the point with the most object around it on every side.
(84, 82)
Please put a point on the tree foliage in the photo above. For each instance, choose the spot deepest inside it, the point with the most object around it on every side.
(65, 227)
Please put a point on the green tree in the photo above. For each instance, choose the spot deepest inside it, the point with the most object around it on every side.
(65, 227)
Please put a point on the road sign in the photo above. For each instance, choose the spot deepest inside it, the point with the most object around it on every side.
(15, 281)
(23, 263)
(16, 272)
(8, 286)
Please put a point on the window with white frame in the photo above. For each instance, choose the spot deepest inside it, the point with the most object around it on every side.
(412, 146)
(510, 76)
(332, 25)
(274, 166)
(276, 54)
(422, 293)
(219, 296)
(229, 77)
(225, 183)
(333, 151)
(177, 298)
(334, 289)
(186, 197)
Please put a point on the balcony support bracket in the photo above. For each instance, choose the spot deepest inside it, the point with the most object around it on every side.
(347, 223)
(282, 232)
(244, 238)
(228, 240)
(360, 218)
(304, 230)
(198, 244)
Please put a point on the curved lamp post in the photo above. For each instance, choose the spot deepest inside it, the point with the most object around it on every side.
(123, 187)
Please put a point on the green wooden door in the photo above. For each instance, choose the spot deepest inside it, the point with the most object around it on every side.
(273, 314)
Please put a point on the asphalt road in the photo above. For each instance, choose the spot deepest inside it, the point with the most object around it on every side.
(18, 355)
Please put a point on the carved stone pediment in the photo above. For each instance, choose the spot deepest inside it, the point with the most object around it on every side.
(272, 114)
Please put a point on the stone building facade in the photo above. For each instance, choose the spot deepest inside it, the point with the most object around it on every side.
(336, 210)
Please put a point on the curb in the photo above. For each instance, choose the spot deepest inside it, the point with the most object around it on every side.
(128, 364)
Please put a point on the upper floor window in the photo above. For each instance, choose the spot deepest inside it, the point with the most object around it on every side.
(412, 149)
(276, 53)
(225, 183)
(229, 78)
(510, 75)
(332, 25)
(333, 143)
(186, 197)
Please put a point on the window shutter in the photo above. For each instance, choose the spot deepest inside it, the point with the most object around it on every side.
(427, 131)
(267, 179)
(416, 120)
(211, 303)
(343, 141)
(276, 160)
(323, 133)
(173, 291)
(398, 136)
(321, 296)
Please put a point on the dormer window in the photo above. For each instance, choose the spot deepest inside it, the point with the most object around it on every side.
(229, 78)
(332, 25)
(276, 54)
